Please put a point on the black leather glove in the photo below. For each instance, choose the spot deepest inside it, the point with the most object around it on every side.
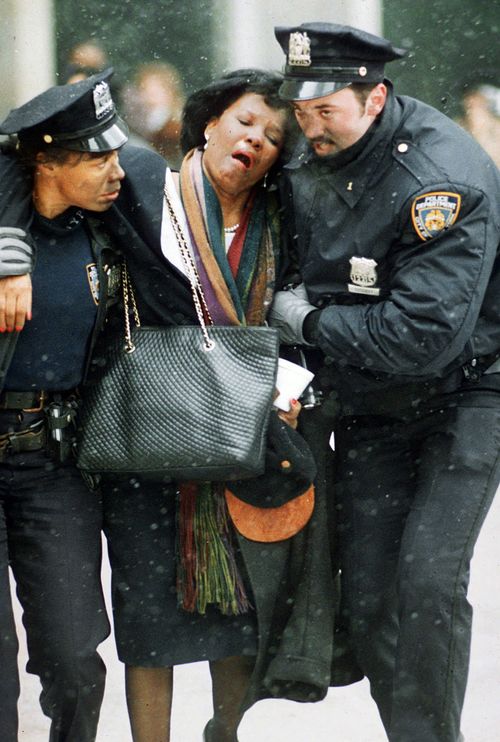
(310, 327)
(16, 252)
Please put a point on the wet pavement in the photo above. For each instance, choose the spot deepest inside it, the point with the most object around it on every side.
(346, 715)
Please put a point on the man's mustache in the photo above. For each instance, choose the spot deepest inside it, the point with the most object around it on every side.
(322, 140)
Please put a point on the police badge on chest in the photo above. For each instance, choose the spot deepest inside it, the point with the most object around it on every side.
(363, 276)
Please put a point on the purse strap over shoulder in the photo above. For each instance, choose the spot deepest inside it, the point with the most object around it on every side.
(129, 301)
(199, 300)
(200, 303)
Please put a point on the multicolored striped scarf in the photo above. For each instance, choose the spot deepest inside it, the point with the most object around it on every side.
(238, 287)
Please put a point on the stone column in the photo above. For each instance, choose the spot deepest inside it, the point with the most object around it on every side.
(27, 50)
(365, 14)
(246, 38)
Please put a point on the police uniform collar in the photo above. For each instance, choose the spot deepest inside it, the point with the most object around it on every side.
(62, 224)
(300, 156)
(345, 156)
(351, 180)
(305, 154)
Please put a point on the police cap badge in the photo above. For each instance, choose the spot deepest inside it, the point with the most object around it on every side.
(79, 116)
(323, 58)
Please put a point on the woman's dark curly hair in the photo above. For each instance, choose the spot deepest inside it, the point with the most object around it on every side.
(212, 100)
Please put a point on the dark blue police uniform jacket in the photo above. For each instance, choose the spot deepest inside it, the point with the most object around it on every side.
(400, 245)
(396, 239)
(132, 227)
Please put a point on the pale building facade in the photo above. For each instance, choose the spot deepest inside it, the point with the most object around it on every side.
(244, 37)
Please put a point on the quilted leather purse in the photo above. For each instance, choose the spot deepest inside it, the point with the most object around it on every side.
(187, 402)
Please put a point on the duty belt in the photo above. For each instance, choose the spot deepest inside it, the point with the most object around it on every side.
(50, 419)
(33, 401)
(32, 438)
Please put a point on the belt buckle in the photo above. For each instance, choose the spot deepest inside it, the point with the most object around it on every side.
(41, 402)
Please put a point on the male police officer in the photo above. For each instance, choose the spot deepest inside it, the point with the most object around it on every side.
(50, 522)
(397, 224)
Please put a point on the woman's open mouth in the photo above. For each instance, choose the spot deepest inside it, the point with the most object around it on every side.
(245, 158)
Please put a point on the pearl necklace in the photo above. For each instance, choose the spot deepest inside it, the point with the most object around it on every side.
(231, 230)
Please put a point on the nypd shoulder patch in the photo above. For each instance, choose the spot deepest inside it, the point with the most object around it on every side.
(432, 212)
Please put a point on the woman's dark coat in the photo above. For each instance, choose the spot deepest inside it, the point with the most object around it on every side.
(295, 633)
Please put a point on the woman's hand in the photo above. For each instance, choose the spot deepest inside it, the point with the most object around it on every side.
(291, 417)
(15, 302)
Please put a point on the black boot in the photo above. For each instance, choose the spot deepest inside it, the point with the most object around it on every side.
(210, 732)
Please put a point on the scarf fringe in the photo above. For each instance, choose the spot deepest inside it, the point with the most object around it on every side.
(207, 570)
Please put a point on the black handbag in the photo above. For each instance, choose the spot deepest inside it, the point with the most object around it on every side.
(187, 402)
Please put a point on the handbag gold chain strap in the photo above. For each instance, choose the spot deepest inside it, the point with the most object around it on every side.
(128, 293)
(199, 300)
(192, 273)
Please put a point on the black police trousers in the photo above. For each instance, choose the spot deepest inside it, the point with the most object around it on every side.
(50, 526)
(412, 495)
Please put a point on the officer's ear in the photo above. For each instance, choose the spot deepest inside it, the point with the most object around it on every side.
(376, 99)
(44, 163)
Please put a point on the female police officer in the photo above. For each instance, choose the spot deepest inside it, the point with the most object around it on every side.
(49, 521)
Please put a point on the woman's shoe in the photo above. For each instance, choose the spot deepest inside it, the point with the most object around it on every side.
(209, 733)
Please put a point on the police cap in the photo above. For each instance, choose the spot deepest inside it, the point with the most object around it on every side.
(323, 58)
(79, 116)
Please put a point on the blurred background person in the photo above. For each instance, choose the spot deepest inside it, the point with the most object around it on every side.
(87, 59)
(84, 60)
(481, 116)
(152, 105)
